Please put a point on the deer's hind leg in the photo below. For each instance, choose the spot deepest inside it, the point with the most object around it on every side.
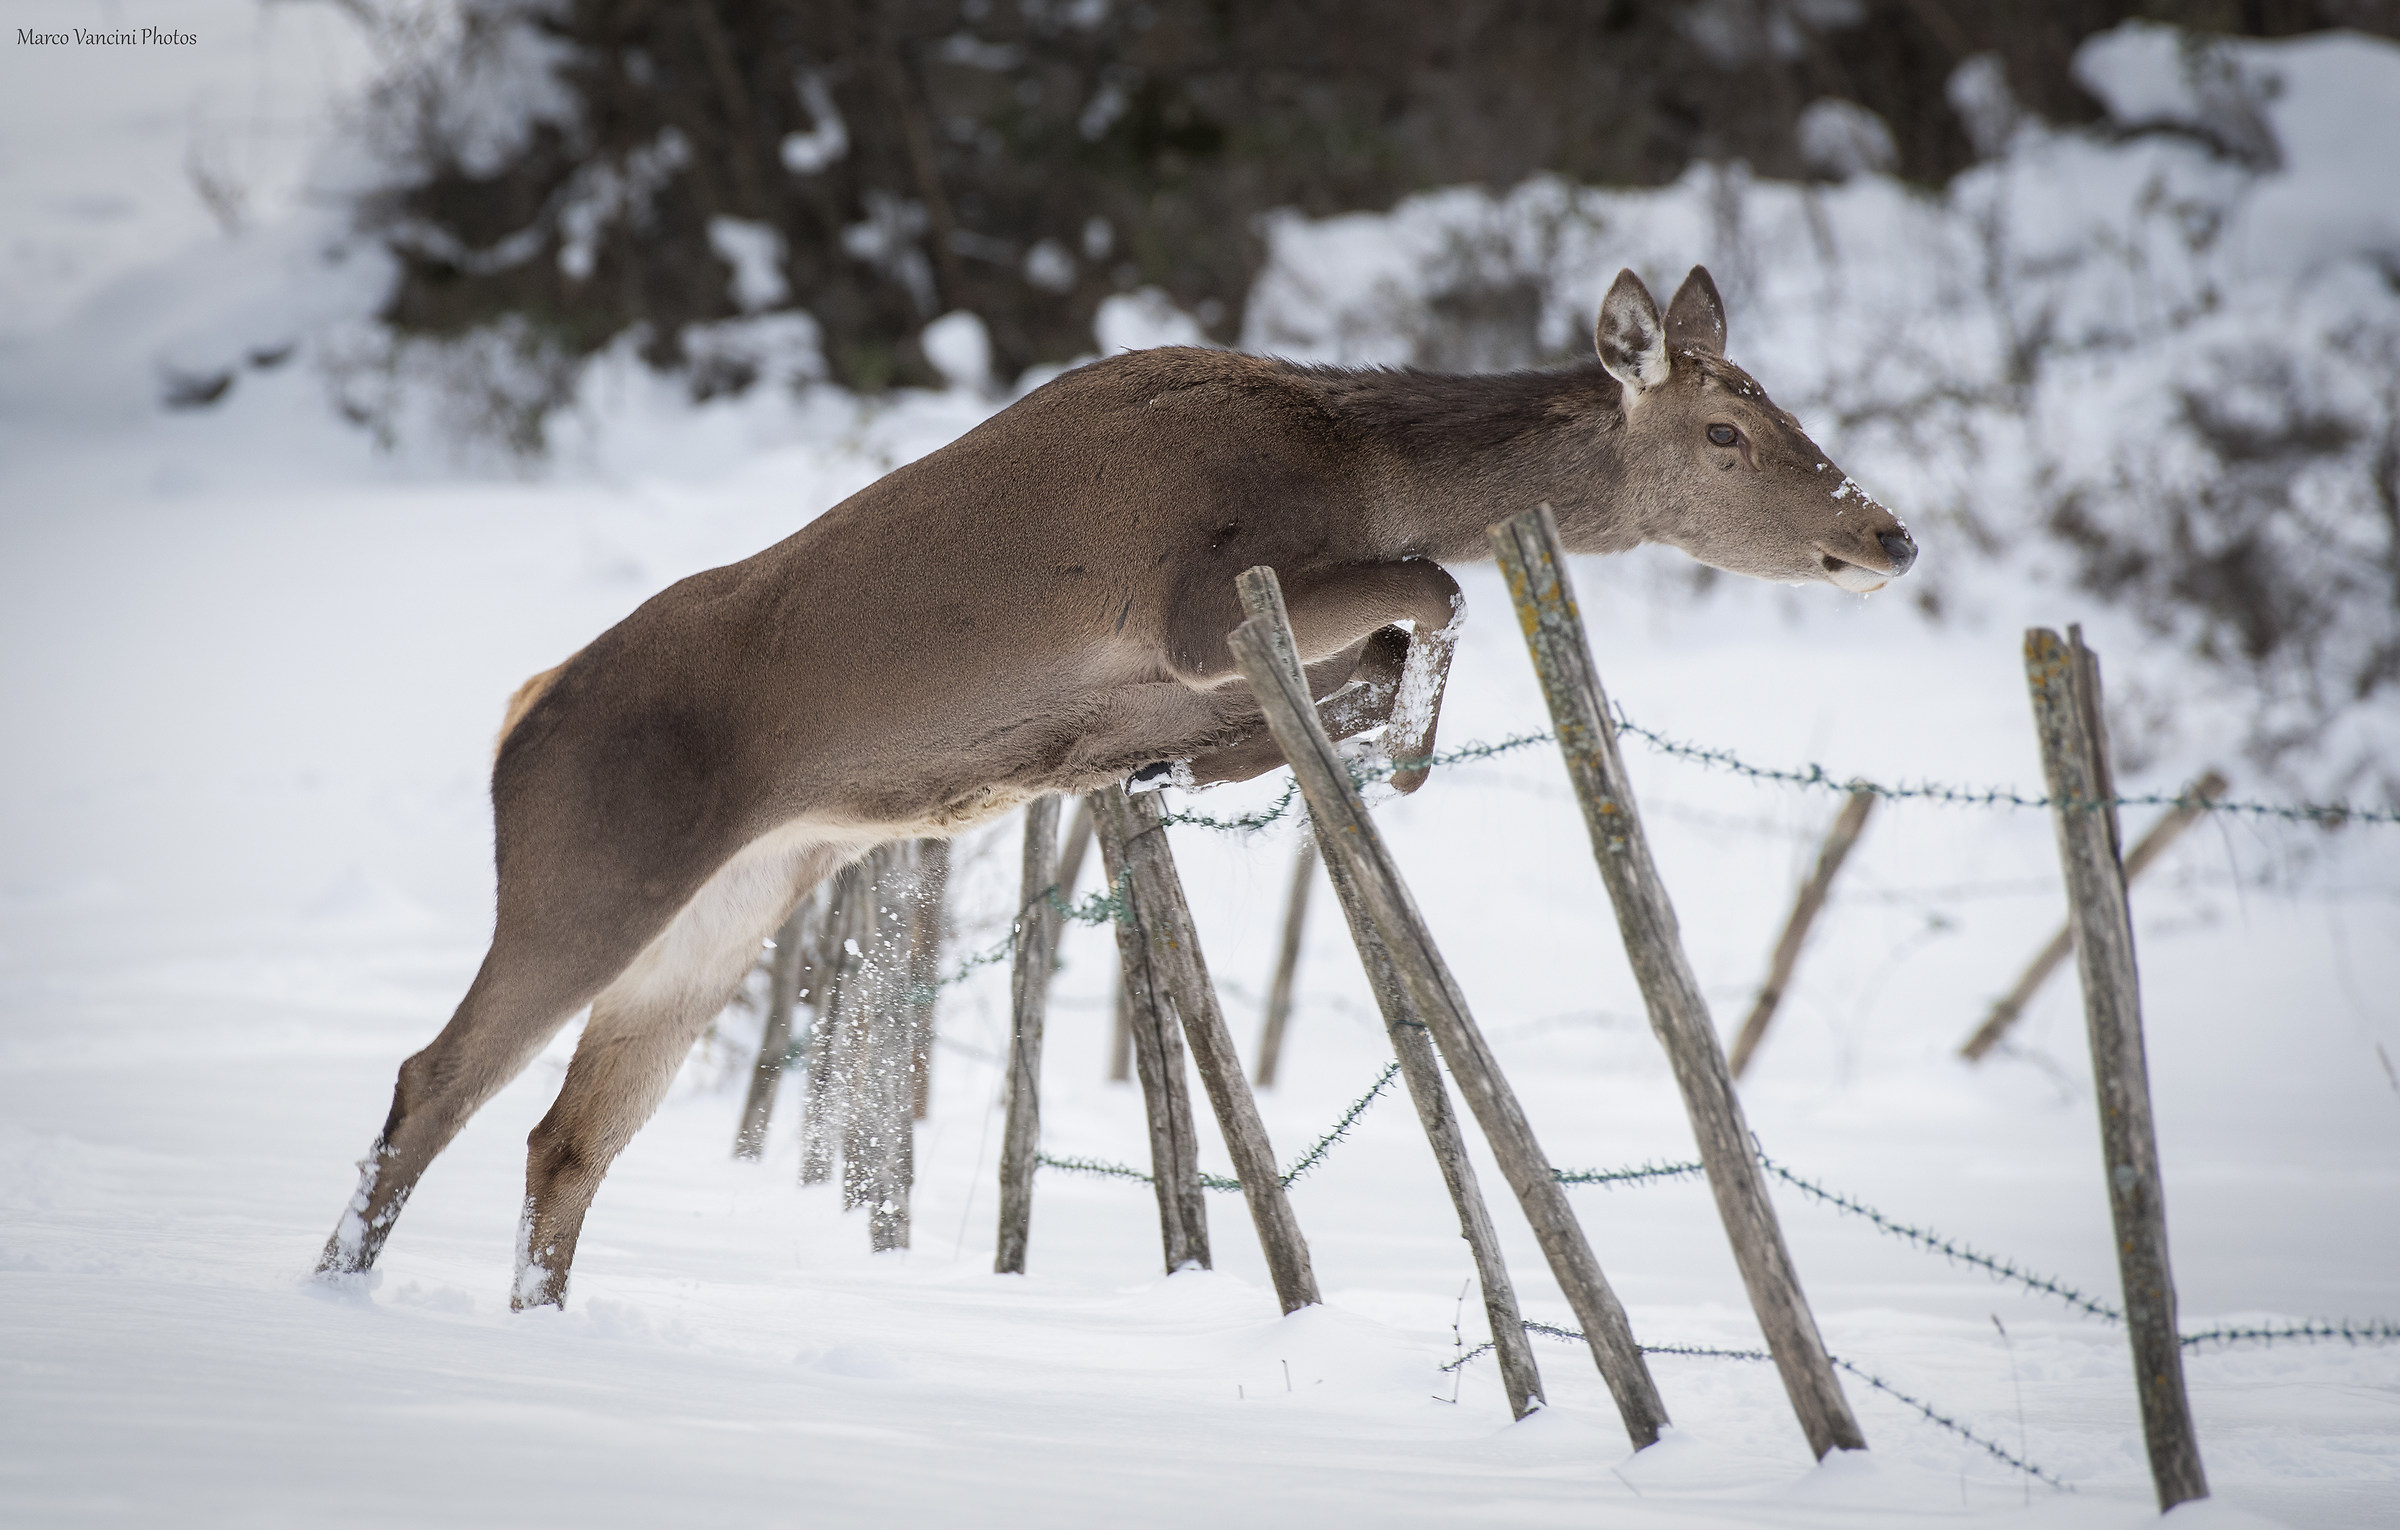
(642, 1026)
(527, 988)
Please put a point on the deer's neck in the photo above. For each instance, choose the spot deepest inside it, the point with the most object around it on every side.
(1454, 454)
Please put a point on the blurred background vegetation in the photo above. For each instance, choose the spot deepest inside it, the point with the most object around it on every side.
(582, 169)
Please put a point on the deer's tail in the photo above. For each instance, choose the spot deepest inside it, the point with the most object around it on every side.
(522, 699)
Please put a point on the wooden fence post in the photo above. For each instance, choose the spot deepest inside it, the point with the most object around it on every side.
(928, 920)
(1157, 1046)
(1847, 826)
(1264, 649)
(2065, 680)
(1029, 995)
(1421, 1070)
(878, 1033)
(1534, 565)
(839, 945)
(1120, 1034)
(2146, 851)
(1133, 837)
(775, 1040)
(1287, 964)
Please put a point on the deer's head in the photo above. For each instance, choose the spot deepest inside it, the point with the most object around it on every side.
(1716, 469)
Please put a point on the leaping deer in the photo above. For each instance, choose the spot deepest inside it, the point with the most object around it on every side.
(1042, 606)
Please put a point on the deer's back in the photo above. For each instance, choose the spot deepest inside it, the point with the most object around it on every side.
(990, 588)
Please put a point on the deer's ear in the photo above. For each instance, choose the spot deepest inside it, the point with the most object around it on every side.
(1633, 344)
(1696, 319)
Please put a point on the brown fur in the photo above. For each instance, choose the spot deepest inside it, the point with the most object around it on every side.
(1040, 606)
(520, 702)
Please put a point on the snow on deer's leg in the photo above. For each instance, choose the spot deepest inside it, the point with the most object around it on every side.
(642, 1026)
(513, 1008)
(1417, 708)
(1354, 690)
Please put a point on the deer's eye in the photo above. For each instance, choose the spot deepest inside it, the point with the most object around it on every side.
(1722, 435)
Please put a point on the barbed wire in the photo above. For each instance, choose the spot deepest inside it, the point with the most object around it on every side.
(1102, 1168)
(1283, 806)
(2007, 1271)
(1093, 908)
(1948, 1248)
(1244, 823)
(2348, 1330)
(1926, 1410)
(1309, 1157)
(1341, 1128)
(1818, 778)
(2312, 1331)
(1992, 1448)
(1639, 1174)
(1923, 1238)
(1105, 907)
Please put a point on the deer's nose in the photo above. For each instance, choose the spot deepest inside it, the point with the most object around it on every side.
(1898, 548)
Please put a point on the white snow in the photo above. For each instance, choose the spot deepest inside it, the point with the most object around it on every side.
(960, 348)
(754, 253)
(822, 145)
(253, 665)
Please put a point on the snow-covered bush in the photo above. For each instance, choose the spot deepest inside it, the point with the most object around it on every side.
(2158, 359)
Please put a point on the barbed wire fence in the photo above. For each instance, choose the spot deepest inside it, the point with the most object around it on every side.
(1105, 907)
(1309, 1158)
(1814, 777)
(1926, 1240)
(1926, 1410)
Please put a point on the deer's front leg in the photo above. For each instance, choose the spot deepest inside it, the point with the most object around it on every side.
(1354, 695)
(1331, 610)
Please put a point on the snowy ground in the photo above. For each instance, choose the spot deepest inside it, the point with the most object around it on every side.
(247, 873)
(252, 671)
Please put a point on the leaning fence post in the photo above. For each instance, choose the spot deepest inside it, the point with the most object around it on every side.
(826, 1100)
(878, 1035)
(1534, 564)
(1847, 826)
(774, 1042)
(1158, 1058)
(928, 919)
(1029, 995)
(2153, 844)
(1287, 964)
(1133, 835)
(1120, 1034)
(2065, 680)
(1264, 648)
(1422, 1071)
